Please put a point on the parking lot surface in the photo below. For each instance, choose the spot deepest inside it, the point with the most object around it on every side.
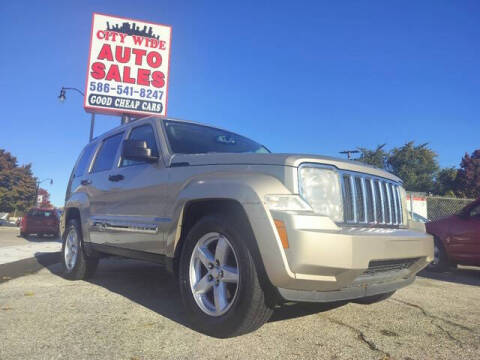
(13, 247)
(132, 310)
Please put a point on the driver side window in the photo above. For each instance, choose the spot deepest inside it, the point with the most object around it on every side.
(143, 133)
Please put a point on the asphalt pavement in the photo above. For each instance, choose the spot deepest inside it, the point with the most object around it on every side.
(25, 255)
(132, 310)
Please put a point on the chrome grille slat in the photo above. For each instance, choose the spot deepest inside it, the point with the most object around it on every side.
(400, 212)
(364, 198)
(371, 200)
(382, 201)
(374, 200)
(395, 203)
(354, 198)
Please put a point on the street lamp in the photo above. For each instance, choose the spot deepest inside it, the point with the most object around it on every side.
(62, 97)
(35, 201)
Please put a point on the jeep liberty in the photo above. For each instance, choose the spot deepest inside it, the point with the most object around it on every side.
(241, 228)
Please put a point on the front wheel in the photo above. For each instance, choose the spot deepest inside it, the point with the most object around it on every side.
(76, 264)
(219, 282)
(440, 258)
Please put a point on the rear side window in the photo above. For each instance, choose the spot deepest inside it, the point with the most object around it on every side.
(106, 155)
(145, 133)
(84, 160)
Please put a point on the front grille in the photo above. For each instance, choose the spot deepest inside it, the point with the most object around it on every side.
(371, 200)
(380, 266)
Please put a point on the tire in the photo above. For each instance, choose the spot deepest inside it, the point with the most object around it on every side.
(79, 266)
(245, 306)
(23, 234)
(440, 262)
(368, 300)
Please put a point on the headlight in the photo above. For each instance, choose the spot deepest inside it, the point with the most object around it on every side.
(286, 203)
(320, 188)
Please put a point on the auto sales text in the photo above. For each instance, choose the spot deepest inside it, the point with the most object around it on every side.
(145, 56)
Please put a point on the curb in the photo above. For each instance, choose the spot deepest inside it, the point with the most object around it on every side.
(27, 266)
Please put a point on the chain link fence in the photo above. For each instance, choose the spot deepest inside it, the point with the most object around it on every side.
(438, 207)
(426, 207)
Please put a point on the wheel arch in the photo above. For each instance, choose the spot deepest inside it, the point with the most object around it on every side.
(77, 206)
(194, 210)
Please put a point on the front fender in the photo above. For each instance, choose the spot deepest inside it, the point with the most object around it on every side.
(249, 191)
(81, 202)
(246, 189)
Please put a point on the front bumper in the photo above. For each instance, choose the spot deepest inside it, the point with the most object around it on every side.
(327, 262)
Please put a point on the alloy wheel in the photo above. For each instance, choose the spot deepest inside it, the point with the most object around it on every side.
(71, 249)
(214, 274)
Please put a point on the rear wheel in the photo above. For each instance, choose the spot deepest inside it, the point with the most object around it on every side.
(76, 264)
(440, 258)
(219, 282)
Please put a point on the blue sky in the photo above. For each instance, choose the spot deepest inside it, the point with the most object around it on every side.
(306, 77)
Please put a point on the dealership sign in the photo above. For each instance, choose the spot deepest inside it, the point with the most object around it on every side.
(127, 67)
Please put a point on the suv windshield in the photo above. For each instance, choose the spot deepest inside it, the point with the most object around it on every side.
(186, 138)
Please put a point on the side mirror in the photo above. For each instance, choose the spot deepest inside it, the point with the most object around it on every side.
(137, 150)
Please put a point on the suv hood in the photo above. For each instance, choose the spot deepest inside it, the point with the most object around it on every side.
(293, 160)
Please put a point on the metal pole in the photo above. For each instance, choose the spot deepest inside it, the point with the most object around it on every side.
(92, 126)
(35, 200)
(411, 205)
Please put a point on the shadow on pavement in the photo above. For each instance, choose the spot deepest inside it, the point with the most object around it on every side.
(38, 239)
(462, 275)
(151, 286)
(27, 266)
(296, 310)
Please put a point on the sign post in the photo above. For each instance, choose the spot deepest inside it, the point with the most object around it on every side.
(128, 67)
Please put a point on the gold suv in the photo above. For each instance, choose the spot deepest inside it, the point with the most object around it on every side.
(243, 229)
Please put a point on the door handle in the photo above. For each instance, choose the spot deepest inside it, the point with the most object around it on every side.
(118, 177)
(86, 182)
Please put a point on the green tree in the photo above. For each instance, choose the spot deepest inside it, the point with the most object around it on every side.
(377, 157)
(446, 182)
(468, 178)
(17, 184)
(416, 165)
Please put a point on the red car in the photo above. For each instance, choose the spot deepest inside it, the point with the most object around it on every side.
(39, 221)
(457, 238)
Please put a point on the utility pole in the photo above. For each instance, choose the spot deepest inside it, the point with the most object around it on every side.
(62, 98)
(349, 153)
(35, 199)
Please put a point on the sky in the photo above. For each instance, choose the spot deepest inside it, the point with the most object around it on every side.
(313, 77)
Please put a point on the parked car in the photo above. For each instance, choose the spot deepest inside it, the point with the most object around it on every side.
(4, 219)
(242, 229)
(40, 221)
(457, 238)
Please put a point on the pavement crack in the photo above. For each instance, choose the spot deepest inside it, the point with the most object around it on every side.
(453, 338)
(361, 336)
(431, 316)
